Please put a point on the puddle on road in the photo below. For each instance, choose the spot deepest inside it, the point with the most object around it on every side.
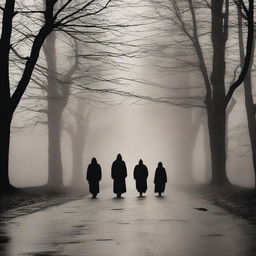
(141, 198)
(74, 242)
(74, 234)
(42, 253)
(175, 220)
(78, 226)
(212, 235)
(68, 242)
(201, 209)
(103, 240)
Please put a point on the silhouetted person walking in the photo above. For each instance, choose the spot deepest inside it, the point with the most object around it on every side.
(118, 174)
(140, 174)
(94, 176)
(160, 179)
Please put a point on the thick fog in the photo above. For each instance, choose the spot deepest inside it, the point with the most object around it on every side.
(151, 131)
(138, 128)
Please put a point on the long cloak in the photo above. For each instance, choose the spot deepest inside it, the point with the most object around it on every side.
(118, 174)
(160, 179)
(140, 175)
(94, 176)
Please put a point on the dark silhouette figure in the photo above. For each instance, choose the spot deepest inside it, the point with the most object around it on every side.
(160, 179)
(140, 174)
(94, 176)
(118, 174)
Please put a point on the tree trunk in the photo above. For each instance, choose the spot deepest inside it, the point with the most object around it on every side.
(54, 114)
(4, 153)
(5, 97)
(186, 165)
(217, 137)
(249, 102)
(55, 169)
(207, 159)
(250, 111)
(216, 109)
(189, 145)
(185, 146)
(78, 138)
(78, 178)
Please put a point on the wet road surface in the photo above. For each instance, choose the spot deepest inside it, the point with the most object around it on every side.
(149, 226)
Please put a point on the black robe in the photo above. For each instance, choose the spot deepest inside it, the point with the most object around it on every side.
(118, 174)
(94, 176)
(140, 174)
(160, 179)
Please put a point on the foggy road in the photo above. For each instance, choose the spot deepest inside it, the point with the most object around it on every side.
(151, 226)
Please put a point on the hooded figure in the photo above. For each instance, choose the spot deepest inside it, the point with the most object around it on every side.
(118, 174)
(160, 179)
(140, 174)
(94, 176)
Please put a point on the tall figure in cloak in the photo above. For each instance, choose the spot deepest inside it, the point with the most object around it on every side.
(140, 175)
(160, 179)
(94, 176)
(118, 174)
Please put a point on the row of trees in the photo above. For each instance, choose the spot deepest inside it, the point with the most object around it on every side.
(73, 19)
(207, 40)
(26, 29)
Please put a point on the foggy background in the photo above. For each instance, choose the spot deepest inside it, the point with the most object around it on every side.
(134, 127)
(150, 131)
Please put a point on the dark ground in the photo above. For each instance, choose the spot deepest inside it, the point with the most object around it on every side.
(44, 196)
(237, 200)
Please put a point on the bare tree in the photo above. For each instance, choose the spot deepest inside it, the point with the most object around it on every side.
(248, 90)
(55, 15)
(88, 30)
(78, 131)
(58, 91)
(191, 19)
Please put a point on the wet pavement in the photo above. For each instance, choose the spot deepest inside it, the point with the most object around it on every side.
(175, 225)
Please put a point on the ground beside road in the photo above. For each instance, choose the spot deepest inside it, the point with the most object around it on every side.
(239, 201)
(37, 198)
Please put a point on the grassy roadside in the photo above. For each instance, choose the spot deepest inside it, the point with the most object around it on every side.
(43, 196)
(237, 200)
